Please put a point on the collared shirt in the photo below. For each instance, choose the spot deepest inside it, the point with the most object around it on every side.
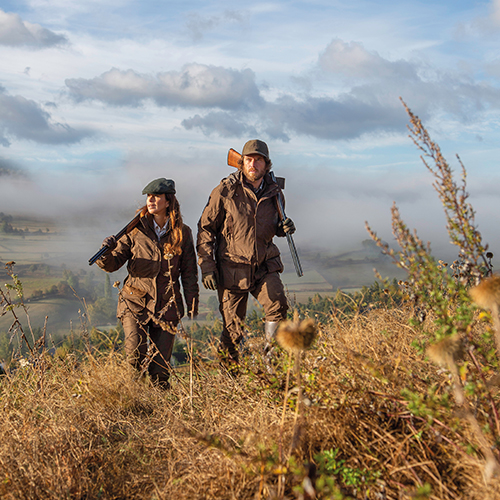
(259, 190)
(160, 231)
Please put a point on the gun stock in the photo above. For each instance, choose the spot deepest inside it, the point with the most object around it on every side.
(233, 157)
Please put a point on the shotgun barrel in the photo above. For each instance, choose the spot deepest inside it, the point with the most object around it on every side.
(289, 238)
(118, 235)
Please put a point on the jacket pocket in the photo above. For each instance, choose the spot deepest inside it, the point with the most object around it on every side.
(135, 297)
(236, 278)
(273, 259)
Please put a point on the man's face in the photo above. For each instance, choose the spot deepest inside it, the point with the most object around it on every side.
(254, 168)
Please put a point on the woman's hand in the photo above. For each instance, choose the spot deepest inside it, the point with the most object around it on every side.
(109, 242)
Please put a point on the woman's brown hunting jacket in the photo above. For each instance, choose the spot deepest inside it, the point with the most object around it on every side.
(235, 233)
(152, 287)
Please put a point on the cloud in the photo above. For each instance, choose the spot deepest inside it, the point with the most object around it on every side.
(223, 124)
(16, 32)
(231, 103)
(483, 25)
(347, 117)
(9, 169)
(378, 83)
(25, 119)
(495, 13)
(196, 85)
(198, 25)
(354, 61)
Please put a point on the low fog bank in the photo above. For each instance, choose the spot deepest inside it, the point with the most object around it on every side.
(329, 206)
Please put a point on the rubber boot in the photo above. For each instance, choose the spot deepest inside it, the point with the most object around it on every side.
(270, 328)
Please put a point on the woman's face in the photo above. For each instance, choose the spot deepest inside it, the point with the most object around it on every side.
(157, 204)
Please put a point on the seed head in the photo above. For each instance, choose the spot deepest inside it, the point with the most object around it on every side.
(445, 351)
(487, 294)
(295, 336)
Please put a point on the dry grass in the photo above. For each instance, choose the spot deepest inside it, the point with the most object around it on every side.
(90, 429)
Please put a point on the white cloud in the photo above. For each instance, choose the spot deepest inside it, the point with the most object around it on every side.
(233, 104)
(220, 123)
(495, 13)
(16, 32)
(196, 85)
(197, 25)
(354, 61)
(25, 119)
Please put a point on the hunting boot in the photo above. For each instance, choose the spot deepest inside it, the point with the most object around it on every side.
(270, 328)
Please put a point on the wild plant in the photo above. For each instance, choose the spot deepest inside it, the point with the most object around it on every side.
(444, 294)
(295, 337)
(11, 299)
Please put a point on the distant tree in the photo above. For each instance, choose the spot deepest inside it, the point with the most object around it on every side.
(64, 289)
(73, 282)
(212, 303)
(6, 227)
(102, 311)
(108, 290)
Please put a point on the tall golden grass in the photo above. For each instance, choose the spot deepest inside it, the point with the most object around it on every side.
(88, 428)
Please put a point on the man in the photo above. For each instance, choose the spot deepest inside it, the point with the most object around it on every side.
(235, 246)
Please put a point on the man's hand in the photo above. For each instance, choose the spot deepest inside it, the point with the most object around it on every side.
(109, 242)
(288, 226)
(209, 281)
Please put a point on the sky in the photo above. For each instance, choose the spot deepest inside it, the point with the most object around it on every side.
(99, 97)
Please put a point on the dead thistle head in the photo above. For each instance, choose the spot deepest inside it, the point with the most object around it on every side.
(487, 294)
(446, 351)
(296, 336)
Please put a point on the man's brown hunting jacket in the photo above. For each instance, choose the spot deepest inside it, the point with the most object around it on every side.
(235, 233)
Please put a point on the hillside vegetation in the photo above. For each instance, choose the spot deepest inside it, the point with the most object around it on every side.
(391, 392)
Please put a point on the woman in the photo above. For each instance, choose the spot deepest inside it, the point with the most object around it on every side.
(159, 251)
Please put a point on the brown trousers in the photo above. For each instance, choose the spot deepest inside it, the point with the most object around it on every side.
(270, 294)
(136, 345)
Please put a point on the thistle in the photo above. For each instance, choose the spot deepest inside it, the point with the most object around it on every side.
(486, 295)
(295, 336)
(444, 353)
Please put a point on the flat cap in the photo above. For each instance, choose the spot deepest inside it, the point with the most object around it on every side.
(160, 186)
(256, 147)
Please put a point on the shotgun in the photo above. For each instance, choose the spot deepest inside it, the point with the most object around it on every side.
(118, 235)
(233, 158)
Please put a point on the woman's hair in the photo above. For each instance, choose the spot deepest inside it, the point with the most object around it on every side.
(173, 246)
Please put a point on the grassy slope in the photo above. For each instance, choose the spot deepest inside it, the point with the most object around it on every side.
(90, 429)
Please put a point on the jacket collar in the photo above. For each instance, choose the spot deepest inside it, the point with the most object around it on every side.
(270, 188)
